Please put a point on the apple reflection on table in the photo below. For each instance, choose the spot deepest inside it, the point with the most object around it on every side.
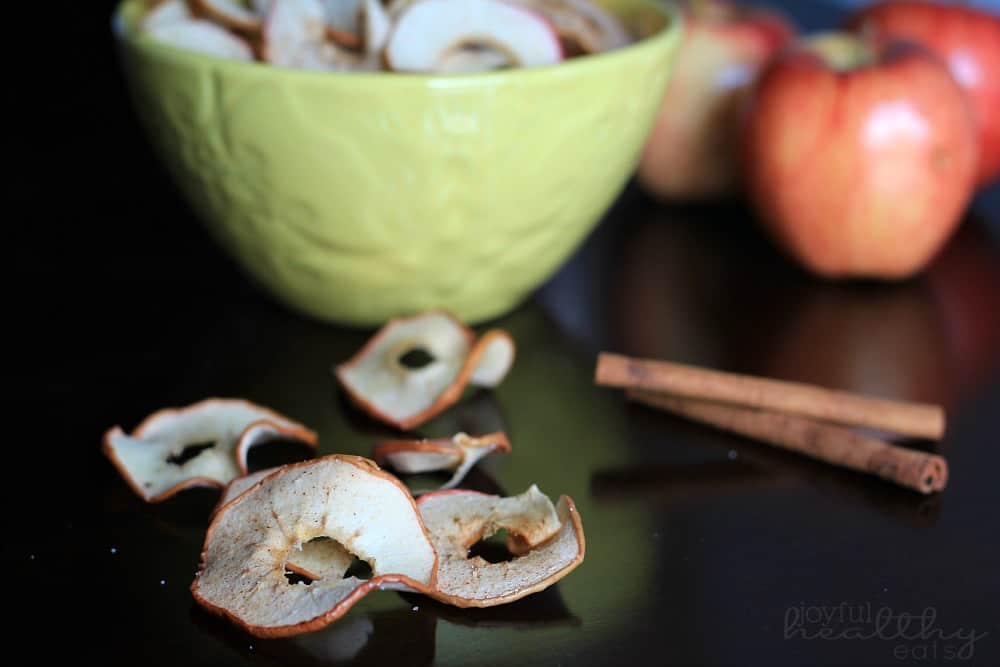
(699, 286)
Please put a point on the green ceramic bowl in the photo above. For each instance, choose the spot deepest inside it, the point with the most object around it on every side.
(357, 197)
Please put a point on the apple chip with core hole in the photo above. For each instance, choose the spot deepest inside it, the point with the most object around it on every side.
(205, 444)
(584, 25)
(294, 35)
(416, 367)
(459, 454)
(230, 13)
(547, 543)
(345, 499)
(428, 33)
(195, 35)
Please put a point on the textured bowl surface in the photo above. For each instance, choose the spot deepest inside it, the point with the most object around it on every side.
(358, 197)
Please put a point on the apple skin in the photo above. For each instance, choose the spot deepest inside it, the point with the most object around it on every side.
(860, 171)
(692, 152)
(969, 40)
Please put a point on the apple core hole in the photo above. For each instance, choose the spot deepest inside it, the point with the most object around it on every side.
(416, 358)
(189, 452)
(359, 569)
(492, 548)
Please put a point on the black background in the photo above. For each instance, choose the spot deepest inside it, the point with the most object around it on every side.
(119, 304)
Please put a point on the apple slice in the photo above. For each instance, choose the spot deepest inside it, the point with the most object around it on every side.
(582, 23)
(204, 444)
(346, 499)
(229, 13)
(428, 32)
(547, 543)
(295, 35)
(381, 381)
(343, 21)
(458, 454)
(200, 36)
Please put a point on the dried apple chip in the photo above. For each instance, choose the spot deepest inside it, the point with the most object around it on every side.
(196, 35)
(416, 367)
(295, 35)
(347, 499)
(459, 454)
(204, 444)
(547, 541)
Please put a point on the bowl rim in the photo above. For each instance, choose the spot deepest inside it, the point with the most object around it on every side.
(666, 37)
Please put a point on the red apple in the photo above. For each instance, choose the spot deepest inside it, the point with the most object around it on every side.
(692, 151)
(969, 40)
(860, 155)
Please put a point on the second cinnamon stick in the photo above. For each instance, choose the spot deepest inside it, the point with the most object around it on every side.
(913, 469)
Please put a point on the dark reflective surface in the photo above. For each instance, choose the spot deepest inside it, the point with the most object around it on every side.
(701, 547)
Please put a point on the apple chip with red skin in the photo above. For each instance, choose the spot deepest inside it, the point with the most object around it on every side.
(458, 454)
(547, 541)
(382, 382)
(346, 499)
(153, 459)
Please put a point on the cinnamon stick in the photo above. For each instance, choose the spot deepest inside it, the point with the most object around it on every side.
(911, 419)
(839, 446)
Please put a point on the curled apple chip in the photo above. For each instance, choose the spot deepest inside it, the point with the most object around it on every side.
(295, 35)
(416, 367)
(547, 543)
(345, 499)
(197, 35)
(458, 454)
(230, 13)
(428, 32)
(204, 444)
(582, 23)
